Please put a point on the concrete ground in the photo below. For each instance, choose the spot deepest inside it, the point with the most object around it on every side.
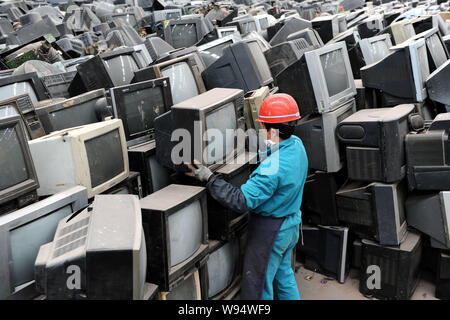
(315, 286)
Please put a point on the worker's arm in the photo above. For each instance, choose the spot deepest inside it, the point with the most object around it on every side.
(226, 194)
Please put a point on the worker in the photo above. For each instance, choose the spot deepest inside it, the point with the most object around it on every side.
(273, 196)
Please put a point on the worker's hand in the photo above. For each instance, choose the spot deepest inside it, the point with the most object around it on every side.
(198, 171)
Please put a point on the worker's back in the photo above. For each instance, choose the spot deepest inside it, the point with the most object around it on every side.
(275, 188)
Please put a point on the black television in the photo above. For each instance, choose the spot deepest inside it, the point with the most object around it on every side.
(397, 266)
(242, 65)
(280, 56)
(374, 142)
(175, 224)
(18, 182)
(107, 70)
(428, 156)
(437, 53)
(184, 32)
(373, 210)
(324, 250)
(216, 109)
(326, 26)
(138, 105)
(86, 108)
(104, 245)
(399, 77)
(26, 83)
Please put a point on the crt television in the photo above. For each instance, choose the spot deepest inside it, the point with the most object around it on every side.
(25, 83)
(22, 232)
(399, 77)
(436, 49)
(104, 245)
(138, 105)
(176, 231)
(320, 81)
(86, 108)
(375, 48)
(18, 178)
(93, 155)
(183, 33)
(242, 65)
(207, 117)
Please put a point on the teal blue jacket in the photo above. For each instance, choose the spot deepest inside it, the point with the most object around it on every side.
(275, 188)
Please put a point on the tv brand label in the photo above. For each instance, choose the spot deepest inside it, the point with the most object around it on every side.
(74, 280)
(374, 280)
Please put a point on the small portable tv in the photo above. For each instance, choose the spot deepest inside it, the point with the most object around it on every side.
(138, 105)
(374, 142)
(399, 267)
(211, 119)
(428, 156)
(142, 159)
(26, 83)
(373, 210)
(375, 48)
(104, 245)
(317, 133)
(93, 155)
(437, 52)
(23, 231)
(324, 250)
(18, 178)
(242, 65)
(320, 81)
(429, 213)
(175, 223)
(90, 107)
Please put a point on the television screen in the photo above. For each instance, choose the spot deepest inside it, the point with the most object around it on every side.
(184, 35)
(185, 229)
(437, 51)
(13, 168)
(26, 241)
(224, 121)
(186, 290)
(15, 89)
(74, 116)
(221, 267)
(335, 73)
(121, 69)
(182, 82)
(142, 107)
(105, 157)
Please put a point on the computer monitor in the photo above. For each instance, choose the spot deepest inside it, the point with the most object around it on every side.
(290, 26)
(94, 156)
(213, 50)
(428, 164)
(167, 14)
(371, 26)
(222, 272)
(282, 55)
(374, 142)
(400, 264)
(317, 132)
(104, 245)
(90, 107)
(399, 77)
(324, 250)
(189, 288)
(183, 33)
(176, 232)
(213, 114)
(107, 70)
(26, 83)
(183, 73)
(319, 197)
(19, 180)
(375, 48)
(142, 159)
(326, 26)
(373, 210)
(24, 231)
(58, 84)
(320, 81)
(138, 105)
(242, 66)
(437, 53)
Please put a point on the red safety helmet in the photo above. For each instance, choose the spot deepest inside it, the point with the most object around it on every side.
(278, 108)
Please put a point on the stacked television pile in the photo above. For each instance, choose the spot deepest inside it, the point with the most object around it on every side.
(94, 96)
